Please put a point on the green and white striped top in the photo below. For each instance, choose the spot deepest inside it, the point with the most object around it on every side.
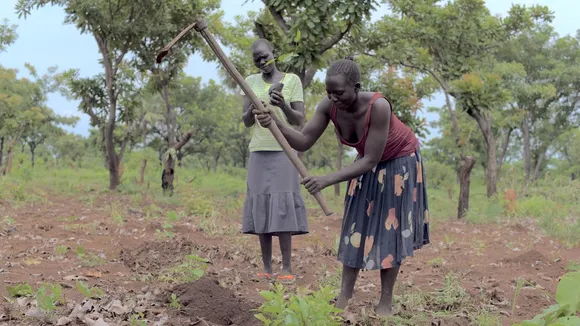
(262, 139)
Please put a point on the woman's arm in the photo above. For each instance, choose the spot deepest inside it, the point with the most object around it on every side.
(294, 112)
(374, 146)
(247, 115)
(304, 139)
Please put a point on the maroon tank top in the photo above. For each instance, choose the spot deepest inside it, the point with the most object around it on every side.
(401, 139)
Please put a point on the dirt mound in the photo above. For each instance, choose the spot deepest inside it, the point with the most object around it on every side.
(157, 255)
(206, 299)
(532, 258)
(534, 261)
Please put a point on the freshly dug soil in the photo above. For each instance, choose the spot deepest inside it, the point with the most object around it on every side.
(206, 299)
(156, 255)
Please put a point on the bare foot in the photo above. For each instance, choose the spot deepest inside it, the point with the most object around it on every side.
(384, 310)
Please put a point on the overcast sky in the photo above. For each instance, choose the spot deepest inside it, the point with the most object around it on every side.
(53, 43)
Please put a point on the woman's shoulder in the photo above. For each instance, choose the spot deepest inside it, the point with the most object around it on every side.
(381, 104)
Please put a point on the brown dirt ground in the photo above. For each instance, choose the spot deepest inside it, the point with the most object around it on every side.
(487, 258)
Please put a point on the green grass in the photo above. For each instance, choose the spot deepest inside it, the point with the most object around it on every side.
(551, 202)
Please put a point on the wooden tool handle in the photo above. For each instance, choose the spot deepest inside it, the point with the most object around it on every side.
(163, 52)
(201, 27)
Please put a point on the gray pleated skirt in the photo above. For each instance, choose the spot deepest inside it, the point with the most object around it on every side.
(273, 201)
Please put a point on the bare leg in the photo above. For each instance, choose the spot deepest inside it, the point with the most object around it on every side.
(286, 249)
(388, 278)
(266, 246)
(349, 276)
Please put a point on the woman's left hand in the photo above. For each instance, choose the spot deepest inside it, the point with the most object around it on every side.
(265, 118)
(315, 184)
(277, 99)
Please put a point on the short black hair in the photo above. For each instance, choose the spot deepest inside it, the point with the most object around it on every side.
(347, 68)
(262, 41)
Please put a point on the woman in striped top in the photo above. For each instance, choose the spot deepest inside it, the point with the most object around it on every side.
(274, 205)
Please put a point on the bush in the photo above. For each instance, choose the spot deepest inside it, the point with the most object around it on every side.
(439, 175)
(309, 310)
(564, 312)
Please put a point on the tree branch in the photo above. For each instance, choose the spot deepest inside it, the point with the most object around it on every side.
(335, 39)
(309, 76)
(124, 145)
(94, 118)
(260, 30)
(504, 149)
(184, 141)
(279, 19)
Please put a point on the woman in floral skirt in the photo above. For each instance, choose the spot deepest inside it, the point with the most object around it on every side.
(386, 215)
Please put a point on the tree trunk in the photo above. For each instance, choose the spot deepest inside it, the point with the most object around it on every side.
(168, 174)
(484, 122)
(112, 158)
(504, 149)
(143, 167)
(180, 159)
(245, 159)
(466, 163)
(32, 153)
(465, 166)
(112, 161)
(170, 122)
(491, 177)
(216, 158)
(169, 165)
(527, 149)
(8, 168)
(538, 166)
(1, 150)
(338, 165)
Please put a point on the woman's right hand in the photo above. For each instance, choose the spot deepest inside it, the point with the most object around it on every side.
(264, 118)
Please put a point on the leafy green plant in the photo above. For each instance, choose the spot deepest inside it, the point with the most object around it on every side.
(89, 293)
(88, 258)
(48, 295)
(564, 312)
(60, 250)
(573, 266)
(20, 290)
(175, 302)
(9, 220)
(192, 269)
(449, 240)
(137, 320)
(436, 262)
(311, 310)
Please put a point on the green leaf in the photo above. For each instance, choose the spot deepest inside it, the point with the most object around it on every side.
(567, 321)
(20, 290)
(567, 291)
(298, 36)
(285, 58)
(263, 319)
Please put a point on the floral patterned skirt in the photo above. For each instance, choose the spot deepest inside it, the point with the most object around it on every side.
(386, 215)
